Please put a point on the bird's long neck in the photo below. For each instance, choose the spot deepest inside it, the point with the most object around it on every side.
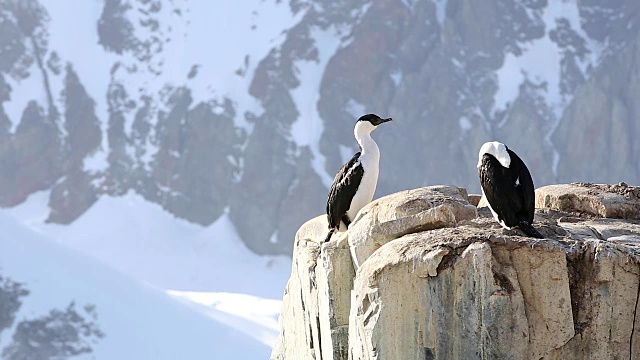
(369, 147)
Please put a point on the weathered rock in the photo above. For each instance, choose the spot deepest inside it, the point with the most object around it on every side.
(604, 280)
(610, 201)
(323, 273)
(604, 229)
(474, 199)
(502, 297)
(471, 290)
(299, 338)
(335, 275)
(406, 212)
(318, 292)
(481, 303)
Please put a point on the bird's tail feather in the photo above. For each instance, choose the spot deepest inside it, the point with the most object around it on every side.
(329, 235)
(530, 230)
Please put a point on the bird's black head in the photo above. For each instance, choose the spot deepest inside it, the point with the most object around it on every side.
(374, 119)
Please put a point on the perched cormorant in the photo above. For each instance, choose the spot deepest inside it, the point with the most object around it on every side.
(508, 187)
(354, 185)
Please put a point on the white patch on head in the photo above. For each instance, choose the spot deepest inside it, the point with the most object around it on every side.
(497, 150)
(518, 180)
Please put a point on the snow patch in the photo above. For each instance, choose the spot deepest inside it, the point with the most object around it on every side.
(569, 10)
(355, 109)
(23, 91)
(96, 163)
(150, 149)
(409, 4)
(441, 10)
(540, 64)
(465, 123)
(356, 15)
(274, 237)
(308, 128)
(254, 316)
(396, 76)
(540, 61)
(257, 26)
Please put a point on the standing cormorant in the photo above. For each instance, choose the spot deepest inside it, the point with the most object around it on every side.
(354, 185)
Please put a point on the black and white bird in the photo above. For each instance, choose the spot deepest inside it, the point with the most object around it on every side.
(508, 187)
(354, 185)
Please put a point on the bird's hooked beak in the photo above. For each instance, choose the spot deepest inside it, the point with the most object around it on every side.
(380, 121)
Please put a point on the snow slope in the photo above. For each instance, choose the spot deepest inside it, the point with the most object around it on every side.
(254, 316)
(206, 269)
(139, 321)
(140, 239)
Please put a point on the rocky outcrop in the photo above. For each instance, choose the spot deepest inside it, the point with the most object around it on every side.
(406, 212)
(618, 201)
(407, 281)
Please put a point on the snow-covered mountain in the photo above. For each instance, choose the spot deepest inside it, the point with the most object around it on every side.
(211, 108)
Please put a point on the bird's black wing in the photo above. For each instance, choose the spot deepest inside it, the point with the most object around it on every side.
(525, 189)
(498, 188)
(344, 187)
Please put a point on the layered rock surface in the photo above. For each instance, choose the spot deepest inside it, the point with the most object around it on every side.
(411, 280)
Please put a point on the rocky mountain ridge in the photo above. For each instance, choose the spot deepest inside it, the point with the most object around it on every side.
(422, 274)
(133, 95)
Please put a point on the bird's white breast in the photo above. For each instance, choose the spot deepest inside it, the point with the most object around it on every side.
(370, 160)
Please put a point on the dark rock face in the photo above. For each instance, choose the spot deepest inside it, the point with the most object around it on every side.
(60, 334)
(75, 194)
(114, 30)
(555, 81)
(602, 109)
(195, 165)
(10, 294)
(30, 154)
